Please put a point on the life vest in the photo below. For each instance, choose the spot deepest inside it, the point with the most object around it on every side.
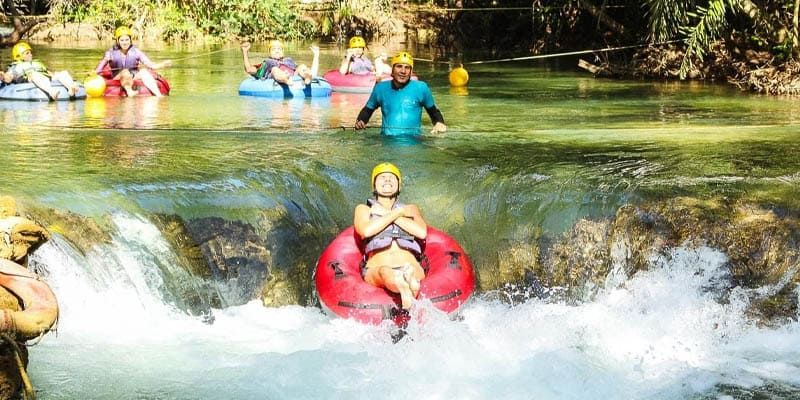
(22, 69)
(117, 60)
(361, 66)
(392, 232)
(286, 64)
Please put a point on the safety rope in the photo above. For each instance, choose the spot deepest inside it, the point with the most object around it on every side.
(541, 56)
(28, 392)
(92, 72)
(204, 54)
(476, 9)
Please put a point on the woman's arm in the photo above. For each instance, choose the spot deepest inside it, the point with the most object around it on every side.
(344, 68)
(102, 64)
(412, 222)
(368, 227)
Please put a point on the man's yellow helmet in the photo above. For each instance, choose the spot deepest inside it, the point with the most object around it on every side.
(403, 58)
(357, 42)
(386, 167)
(122, 31)
(19, 50)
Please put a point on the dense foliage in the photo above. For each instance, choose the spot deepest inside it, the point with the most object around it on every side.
(224, 19)
(699, 32)
(190, 19)
(741, 27)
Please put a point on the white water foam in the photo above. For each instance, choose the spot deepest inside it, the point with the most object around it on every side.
(663, 334)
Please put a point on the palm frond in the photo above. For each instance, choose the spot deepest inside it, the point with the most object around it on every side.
(665, 18)
(711, 22)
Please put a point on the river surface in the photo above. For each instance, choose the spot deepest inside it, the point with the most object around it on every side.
(530, 147)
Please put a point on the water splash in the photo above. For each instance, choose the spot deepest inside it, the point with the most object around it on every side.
(662, 334)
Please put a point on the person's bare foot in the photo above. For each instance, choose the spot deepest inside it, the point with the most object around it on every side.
(71, 91)
(53, 94)
(406, 296)
(413, 284)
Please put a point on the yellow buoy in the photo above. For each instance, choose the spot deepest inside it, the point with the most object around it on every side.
(458, 77)
(95, 86)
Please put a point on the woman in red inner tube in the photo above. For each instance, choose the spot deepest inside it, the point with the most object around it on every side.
(391, 232)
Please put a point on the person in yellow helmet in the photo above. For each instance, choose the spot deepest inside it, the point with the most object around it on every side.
(392, 233)
(25, 69)
(126, 63)
(401, 101)
(279, 67)
(356, 62)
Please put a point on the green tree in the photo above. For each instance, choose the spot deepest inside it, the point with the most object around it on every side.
(770, 25)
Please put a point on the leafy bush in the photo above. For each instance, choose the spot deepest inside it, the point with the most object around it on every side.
(182, 19)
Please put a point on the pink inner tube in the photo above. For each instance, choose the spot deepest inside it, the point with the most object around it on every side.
(350, 83)
(353, 83)
(448, 284)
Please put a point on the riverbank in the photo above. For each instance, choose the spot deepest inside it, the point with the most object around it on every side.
(749, 70)
(735, 59)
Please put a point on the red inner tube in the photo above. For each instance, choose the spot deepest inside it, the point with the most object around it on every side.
(448, 284)
(113, 87)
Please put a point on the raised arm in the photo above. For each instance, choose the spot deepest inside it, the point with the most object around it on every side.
(344, 68)
(315, 61)
(248, 67)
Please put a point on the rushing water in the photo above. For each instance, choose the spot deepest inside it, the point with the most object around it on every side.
(529, 147)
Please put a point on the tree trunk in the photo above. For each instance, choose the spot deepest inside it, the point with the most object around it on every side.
(795, 50)
(21, 27)
(602, 17)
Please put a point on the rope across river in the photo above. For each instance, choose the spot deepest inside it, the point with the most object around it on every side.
(543, 56)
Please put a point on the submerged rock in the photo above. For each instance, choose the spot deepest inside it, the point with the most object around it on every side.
(760, 243)
(82, 232)
(228, 252)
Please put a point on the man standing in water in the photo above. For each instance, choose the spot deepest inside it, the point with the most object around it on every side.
(401, 101)
(390, 231)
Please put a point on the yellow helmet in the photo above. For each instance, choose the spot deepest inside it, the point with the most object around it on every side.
(122, 31)
(275, 43)
(386, 167)
(19, 50)
(357, 42)
(403, 58)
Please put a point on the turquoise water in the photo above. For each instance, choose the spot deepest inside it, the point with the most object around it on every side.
(529, 147)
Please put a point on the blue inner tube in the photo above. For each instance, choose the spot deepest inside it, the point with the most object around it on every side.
(29, 92)
(318, 87)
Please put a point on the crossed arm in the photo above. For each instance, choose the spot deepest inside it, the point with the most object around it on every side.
(407, 217)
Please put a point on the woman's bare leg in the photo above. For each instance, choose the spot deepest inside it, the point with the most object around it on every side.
(400, 280)
(149, 82)
(126, 81)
